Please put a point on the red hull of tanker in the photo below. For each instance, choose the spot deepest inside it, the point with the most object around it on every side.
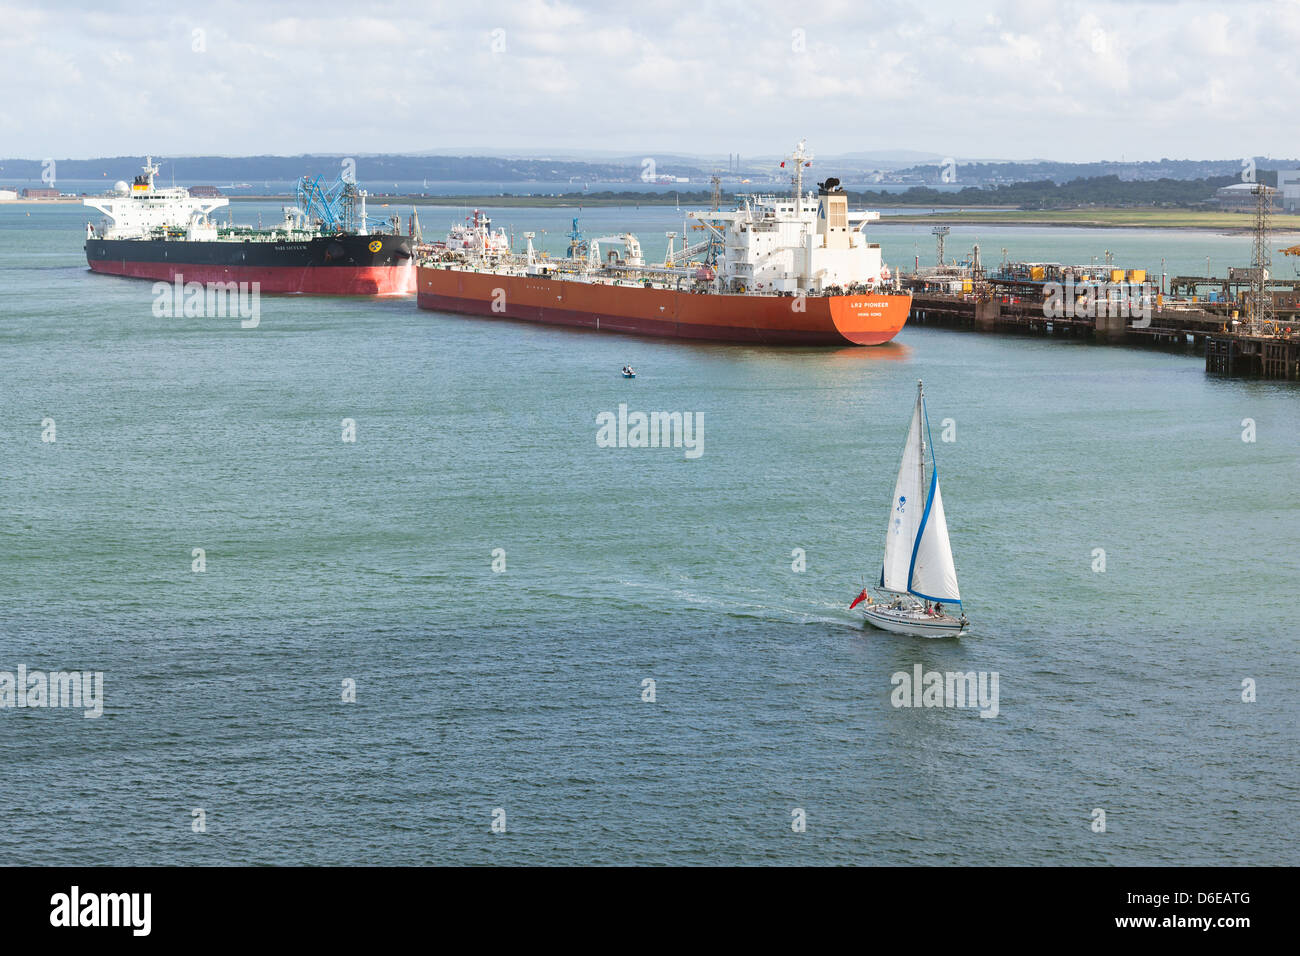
(310, 280)
(866, 319)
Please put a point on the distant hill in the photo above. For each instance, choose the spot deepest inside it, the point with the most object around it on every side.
(975, 183)
(988, 173)
(1044, 194)
(369, 169)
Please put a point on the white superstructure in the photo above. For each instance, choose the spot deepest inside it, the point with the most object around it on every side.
(476, 239)
(142, 210)
(769, 245)
(797, 243)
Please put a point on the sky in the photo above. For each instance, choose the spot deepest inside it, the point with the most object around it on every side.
(1019, 79)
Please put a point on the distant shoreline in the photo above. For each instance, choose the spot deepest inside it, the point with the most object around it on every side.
(668, 199)
(1109, 217)
(557, 202)
(1090, 218)
(39, 202)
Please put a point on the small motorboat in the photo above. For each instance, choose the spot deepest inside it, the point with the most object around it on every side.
(629, 371)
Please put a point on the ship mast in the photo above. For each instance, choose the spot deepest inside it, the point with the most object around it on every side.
(799, 157)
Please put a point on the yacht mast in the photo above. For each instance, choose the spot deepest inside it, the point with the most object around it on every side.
(920, 404)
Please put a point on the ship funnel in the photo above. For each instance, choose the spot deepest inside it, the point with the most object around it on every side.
(833, 217)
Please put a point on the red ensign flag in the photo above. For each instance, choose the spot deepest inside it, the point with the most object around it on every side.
(861, 597)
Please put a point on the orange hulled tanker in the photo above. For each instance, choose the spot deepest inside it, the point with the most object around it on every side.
(787, 270)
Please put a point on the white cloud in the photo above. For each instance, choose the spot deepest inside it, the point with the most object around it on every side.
(1014, 79)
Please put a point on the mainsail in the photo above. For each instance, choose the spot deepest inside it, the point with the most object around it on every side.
(905, 509)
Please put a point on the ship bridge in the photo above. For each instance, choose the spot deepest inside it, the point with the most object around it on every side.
(803, 242)
(140, 210)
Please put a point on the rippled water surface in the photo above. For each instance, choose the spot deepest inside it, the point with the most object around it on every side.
(372, 561)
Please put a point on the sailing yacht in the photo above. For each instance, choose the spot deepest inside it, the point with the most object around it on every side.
(918, 557)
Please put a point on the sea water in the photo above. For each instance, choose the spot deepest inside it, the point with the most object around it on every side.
(472, 634)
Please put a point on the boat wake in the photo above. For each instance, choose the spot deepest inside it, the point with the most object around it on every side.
(755, 605)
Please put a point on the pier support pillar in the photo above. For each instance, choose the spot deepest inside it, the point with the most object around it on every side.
(1110, 328)
(987, 315)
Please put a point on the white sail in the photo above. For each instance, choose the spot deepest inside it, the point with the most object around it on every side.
(933, 574)
(905, 509)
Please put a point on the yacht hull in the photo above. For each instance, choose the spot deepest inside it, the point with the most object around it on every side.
(915, 624)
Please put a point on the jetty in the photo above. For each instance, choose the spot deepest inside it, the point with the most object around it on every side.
(1203, 314)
